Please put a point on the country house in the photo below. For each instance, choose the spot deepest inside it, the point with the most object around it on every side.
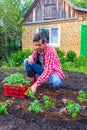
(64, 25)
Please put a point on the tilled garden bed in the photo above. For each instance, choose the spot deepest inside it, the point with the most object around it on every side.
(20, 118)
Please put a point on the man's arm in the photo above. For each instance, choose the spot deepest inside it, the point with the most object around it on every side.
(49, 61)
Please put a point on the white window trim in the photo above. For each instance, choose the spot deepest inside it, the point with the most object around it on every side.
(49, 28)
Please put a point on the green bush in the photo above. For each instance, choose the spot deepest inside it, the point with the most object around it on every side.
(68, 66)
(61, 55)
(71, 56)
(81, 61)
(17, 58)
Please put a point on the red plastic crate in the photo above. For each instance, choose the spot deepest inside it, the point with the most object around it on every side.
(16, 91)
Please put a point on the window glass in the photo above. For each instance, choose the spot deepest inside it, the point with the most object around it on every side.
(46, 32)
(54, 35)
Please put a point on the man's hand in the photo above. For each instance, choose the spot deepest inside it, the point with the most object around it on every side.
(34, 87)
(30, 60)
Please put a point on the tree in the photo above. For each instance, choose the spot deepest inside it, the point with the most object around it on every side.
(11, 19)
(80, 3)
(25, 5)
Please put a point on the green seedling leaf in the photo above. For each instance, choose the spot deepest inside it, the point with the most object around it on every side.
(73, 108)
(69, 102)
(30, 93)
(16, 79)
(74, 114)
(35, 107)
(8, 103)
(47, 102)
(82, 96)
(45, 97)
(3, 108)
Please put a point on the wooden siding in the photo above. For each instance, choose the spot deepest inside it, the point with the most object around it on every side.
(53, 9)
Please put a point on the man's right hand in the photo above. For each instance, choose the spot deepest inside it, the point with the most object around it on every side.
(30, 60)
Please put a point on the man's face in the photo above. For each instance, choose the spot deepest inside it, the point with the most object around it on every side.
(39, 45)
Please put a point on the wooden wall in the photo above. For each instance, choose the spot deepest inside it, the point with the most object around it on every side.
(52, 9)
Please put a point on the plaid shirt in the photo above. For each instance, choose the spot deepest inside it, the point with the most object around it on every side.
(51, 64)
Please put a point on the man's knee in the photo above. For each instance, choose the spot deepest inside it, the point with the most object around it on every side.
(56, 84)
(25, 62)
(55, 81)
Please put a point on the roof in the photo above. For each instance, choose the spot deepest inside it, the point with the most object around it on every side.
(68, 1)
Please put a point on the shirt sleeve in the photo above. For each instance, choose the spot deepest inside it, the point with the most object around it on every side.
(48, 68)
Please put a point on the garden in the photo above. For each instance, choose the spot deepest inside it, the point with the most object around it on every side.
(54, 109)
(48, 109)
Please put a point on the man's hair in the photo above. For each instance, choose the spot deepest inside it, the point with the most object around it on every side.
(39, 36)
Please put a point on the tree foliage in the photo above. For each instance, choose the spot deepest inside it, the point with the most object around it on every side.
(11, 19)
(80, 3)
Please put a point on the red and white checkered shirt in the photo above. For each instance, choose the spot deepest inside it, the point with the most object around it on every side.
(51, 64)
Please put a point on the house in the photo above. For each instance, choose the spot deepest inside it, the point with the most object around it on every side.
(64, 25)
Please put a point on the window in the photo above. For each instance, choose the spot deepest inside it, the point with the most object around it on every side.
(52, 35)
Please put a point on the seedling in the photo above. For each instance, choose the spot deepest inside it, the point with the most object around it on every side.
(16, 79)
(73, 108)
(35, 107)
(30, 93)
(8, 103)
(47, 102)
(3, 108)
(82, 96)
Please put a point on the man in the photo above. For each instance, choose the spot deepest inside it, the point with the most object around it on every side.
(45, 62)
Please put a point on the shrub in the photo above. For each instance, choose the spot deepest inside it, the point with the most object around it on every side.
(71, 56)
(68, 66)
(81, 61)
(61, 55)
(18, 57)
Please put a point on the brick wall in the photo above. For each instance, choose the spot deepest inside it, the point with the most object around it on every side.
(69, 34)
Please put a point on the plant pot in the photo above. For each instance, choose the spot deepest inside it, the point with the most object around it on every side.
(16, 91)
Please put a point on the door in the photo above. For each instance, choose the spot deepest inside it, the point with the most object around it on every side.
(83, 43)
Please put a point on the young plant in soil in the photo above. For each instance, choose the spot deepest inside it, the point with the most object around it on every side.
(82, 96)
(29, 93)
(16, 79)
(47, 102)
(72, 108)
(7, 102)
(35, 107)
(3, 107)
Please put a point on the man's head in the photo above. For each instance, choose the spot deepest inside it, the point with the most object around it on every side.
(39, 40)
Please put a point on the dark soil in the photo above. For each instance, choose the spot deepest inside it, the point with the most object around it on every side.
(51, 119)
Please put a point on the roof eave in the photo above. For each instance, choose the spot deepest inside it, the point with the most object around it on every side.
(32, 5)
(47, 21)
(80, 9)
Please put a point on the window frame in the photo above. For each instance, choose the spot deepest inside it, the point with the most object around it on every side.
(50, 28)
